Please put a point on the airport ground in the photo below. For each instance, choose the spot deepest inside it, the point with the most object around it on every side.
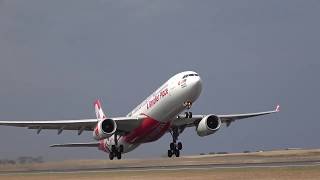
(282, 164)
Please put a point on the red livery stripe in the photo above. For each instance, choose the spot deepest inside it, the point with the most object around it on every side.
(149, 130)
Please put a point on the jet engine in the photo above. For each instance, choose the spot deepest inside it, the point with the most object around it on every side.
(104, 129)
(208, 125)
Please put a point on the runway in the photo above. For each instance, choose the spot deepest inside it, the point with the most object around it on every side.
(281, 164)
(169, 168)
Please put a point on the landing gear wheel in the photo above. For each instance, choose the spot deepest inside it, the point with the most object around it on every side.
(188, 114)
(113, 148)
(111, 156)
(172, 146)
(116, 150)
(179, 146)
(121, 148)
(175, 146)
(177, 153)
(118, 155)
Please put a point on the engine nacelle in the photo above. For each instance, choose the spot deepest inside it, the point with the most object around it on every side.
(208, 125)
(104, 129)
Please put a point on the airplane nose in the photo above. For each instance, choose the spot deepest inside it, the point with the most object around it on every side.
(196, 84)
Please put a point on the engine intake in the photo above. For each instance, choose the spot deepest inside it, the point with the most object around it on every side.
(208, 125)
(108, 126)
(104, 129)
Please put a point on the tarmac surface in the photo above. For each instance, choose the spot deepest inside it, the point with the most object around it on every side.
(171, 167)
(268, 159)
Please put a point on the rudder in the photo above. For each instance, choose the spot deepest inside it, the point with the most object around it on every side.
(98, 109)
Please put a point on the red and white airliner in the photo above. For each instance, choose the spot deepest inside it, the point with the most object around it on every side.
(156, 115)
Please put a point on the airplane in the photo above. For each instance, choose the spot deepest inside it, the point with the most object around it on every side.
(160, 113)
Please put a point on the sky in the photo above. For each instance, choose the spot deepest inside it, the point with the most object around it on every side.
(57, 57)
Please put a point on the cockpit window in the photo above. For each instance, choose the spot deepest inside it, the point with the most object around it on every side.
(189, 75)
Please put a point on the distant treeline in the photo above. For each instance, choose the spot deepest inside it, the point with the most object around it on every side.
(22, 160)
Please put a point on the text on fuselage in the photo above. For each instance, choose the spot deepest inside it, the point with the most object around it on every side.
(157, 97)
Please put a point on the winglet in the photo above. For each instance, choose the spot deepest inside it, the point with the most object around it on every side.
(278, 108)
(98, 109)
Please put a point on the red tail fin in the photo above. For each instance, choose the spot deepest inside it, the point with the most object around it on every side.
(98, 109)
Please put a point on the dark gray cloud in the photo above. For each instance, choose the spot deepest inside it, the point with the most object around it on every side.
(56, 57)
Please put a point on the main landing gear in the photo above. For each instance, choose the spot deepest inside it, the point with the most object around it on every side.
(174, 146)
(116, 151)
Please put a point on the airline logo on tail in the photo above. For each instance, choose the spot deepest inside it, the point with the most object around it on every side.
(98, 109)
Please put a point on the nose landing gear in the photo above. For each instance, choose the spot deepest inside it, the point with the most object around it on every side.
(188, 105)
(188, 114)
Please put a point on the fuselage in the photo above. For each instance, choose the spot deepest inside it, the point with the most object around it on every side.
(159, 109)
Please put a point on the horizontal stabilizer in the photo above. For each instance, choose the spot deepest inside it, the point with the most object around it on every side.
(92, 144)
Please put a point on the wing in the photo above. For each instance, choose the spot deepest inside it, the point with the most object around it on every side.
(124, 124)
(92, 144)
(60, 125)
(228, 119)
(182, 121)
